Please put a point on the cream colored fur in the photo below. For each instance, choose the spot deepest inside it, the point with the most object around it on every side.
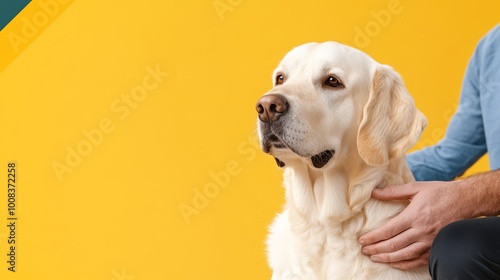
(370, 123)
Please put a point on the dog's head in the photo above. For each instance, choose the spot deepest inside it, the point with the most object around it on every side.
(329, 102)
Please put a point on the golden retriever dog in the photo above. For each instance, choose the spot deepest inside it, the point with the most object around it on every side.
(340, 124)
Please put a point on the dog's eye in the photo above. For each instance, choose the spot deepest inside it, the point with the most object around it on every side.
(279, 79)
(333, 82)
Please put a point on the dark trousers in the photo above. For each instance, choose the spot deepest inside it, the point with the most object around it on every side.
(468, 249)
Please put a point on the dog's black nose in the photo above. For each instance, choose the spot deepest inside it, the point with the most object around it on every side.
(271, 106)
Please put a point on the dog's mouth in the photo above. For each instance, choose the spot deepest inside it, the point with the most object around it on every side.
(271, 140)
(322, 158)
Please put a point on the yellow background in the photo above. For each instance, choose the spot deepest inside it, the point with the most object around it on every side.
(116, 215)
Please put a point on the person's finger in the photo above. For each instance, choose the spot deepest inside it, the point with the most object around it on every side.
(393, 227)
(408, 253)
(400, 192)
(423, 260)
(394, 244)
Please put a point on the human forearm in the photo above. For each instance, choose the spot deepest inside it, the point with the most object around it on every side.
(479, 194)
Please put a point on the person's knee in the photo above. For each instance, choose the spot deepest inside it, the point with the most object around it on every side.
(451, 244)
(459, 250)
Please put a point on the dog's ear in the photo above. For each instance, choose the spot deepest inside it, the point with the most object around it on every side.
(391, 123)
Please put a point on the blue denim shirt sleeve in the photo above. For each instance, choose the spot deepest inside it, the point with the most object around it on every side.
(465, 139)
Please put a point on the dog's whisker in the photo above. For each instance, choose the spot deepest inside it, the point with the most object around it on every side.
(322, 139)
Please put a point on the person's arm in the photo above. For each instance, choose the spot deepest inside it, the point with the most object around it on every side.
(464, 142)
(479, 194)
(405, 240)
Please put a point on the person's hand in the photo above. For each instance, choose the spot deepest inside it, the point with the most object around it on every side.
(404, 242)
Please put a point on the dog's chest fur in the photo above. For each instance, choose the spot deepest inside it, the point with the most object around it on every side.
(316, 237)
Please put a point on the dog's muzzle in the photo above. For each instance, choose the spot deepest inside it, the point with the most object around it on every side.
(270, 108)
